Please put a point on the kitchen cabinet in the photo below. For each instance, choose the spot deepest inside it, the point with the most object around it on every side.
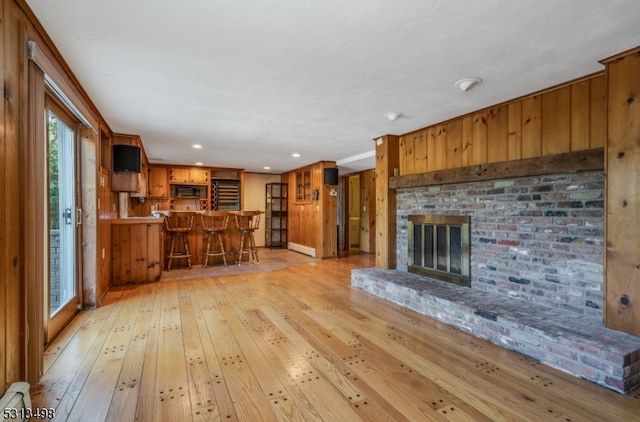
(193, 175)
(276, 215)
(303, 185)
(158, 182)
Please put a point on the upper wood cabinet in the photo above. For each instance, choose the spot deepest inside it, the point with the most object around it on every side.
(190, 175)
(158, 182)
(303, 185)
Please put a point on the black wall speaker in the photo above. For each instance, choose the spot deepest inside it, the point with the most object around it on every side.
(331, 176)
(126, 158)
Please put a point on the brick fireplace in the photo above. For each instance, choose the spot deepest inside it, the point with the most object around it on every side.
(536, 272)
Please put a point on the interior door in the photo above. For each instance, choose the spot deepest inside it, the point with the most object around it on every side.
(62, 220)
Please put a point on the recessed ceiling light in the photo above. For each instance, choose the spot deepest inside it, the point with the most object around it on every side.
(197, 146)
(295, 155)
(198, 163)
(266, 168)
(393, 115)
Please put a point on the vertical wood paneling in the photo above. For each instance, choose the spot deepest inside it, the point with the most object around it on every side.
(327, 215)
(598, 112)
(386, 161)
(89, 204)
(515, 131)
(402, 155)
(368, 214)
(454, 143)
(34, 242)
(531, 127)
(556, 122)
(440, 158)
(420, 151)
(479, 146)
(409, 154)
(12, 256)
(497, 135)
(431, 148)
(314, 223)
(343, 215)
(569, 118)
(5, 228)
(580, 116)
(467, 140)
(622, 273)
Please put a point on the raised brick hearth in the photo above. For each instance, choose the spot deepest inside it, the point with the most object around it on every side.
(578, 346)
(536, 272)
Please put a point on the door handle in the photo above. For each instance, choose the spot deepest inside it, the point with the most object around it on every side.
(67, 216)
(78, 216)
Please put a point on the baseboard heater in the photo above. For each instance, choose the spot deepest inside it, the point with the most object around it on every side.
(302, 249)
(16, 402)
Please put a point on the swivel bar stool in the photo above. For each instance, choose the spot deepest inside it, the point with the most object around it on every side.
(214, 223)
(177, 226)
(247, 222)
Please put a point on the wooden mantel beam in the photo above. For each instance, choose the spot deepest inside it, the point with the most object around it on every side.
(571, 162)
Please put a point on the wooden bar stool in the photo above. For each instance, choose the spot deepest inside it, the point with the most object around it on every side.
(214, 223)
(247, 222)
(178, 225)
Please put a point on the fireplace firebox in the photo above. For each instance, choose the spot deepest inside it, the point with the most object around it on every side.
(439, 247)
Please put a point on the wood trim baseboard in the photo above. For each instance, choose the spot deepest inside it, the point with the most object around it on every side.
(570, 162)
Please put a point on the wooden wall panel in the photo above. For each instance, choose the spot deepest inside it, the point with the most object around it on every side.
(431, 148)
(556, 121)
(386, 160)
(498, 134)
(440, 157)
(531, 127)
(368, 211)
(479, 146)
(579, 115)
(598, 112)
(420, 151)
(514, 128)
(622, 273)
(467, 140)
(12, 295)
(89, 145)
(314, 223)
(402, 155)
(327, 210)
(453, 129)
(410, 154)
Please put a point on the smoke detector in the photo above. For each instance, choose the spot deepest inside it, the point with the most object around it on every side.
(392, 116)
(467, 84)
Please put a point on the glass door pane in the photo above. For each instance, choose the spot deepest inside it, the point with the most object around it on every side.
(62, 214)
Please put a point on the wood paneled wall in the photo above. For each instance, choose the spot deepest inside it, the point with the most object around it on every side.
(314, 223)
(622, 271)
(387, 160)
(22, 188)
(568, 118)
(11, 293)
(368, 211)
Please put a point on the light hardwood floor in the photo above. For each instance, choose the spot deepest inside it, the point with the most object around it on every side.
(296, 344)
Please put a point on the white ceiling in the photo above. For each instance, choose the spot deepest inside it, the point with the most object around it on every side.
(254, 81)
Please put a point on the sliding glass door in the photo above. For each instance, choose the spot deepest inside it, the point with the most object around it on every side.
(62, 219)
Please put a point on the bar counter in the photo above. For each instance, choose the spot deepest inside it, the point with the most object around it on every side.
(140, 246)
(197, 238)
